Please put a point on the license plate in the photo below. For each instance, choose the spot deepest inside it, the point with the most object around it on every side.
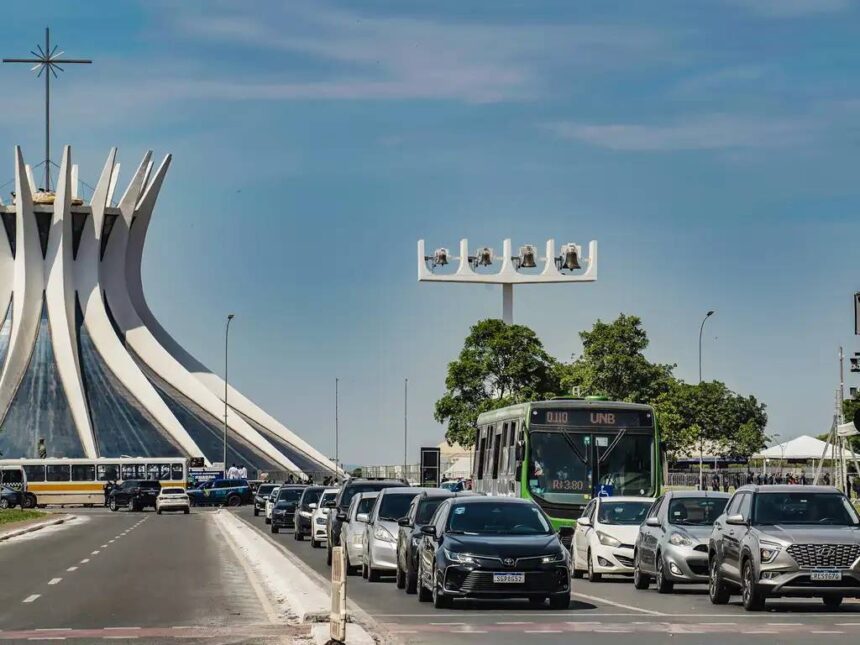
(828, 576)
(509, 578)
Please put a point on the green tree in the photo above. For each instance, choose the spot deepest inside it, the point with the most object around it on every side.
(499, 365)
(710, 412)
(613, 364)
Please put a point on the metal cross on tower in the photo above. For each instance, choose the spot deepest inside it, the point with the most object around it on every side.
(47, 61)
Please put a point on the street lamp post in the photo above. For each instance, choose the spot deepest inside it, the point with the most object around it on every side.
(405, 426)
(568, 265)
(701, 465)
(226, 355)
(336, 430)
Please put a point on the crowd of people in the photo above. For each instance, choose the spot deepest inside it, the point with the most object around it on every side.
(730, 481)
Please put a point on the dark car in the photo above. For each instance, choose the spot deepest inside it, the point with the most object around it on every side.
(308, 502)
(423, 505)
(134, 494)
(227, 492)
(341, 503)
(260, 497)
(10, 498)
(284, 511)
(492, 547)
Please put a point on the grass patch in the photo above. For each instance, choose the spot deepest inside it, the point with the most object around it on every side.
(12, 515)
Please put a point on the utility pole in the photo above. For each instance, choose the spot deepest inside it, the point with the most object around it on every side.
(226, 380)
(701, 430)
(336, 430)
(405, 424)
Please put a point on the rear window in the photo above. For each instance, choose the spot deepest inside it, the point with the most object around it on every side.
(265, 489)
(370, 487)
(311, 496)
(290, 494)
(172, 491)
(394, 506)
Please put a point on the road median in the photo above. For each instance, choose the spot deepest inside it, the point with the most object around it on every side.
(29, 523)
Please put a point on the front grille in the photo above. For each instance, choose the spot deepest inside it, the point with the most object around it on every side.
(482, 582)
(698, 568)
(626, 546)
(627, 562)
(813, 556)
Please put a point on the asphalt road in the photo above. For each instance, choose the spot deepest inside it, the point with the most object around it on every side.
(142, 576)
(608, 612)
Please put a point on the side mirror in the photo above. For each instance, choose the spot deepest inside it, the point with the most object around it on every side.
(362, 517)
(403, 521)
(312, 505)
(583, 521)
(736, 520)
(653, 521)
(341, 517)
(429, 530)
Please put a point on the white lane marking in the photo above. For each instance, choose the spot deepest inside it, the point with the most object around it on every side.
(85, 560)
(31, 598)
(822, 631)
(760, 631)
(718, 623)
(114, 638)
(846, 624)
(515, 622)
(618, 604)
(111, 541)
(104, 546)
(54, 581)
(96, 552)
(53, 629)
(72, 569)
(541, 631)
(115, 628)
(46, 638)
(447, 623)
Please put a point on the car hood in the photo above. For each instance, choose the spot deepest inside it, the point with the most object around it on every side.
(700, 533)
(625, 533)
(495, 546)
(388, 525)
(792, 534)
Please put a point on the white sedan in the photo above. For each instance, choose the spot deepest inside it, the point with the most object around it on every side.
(172, 499)
(319, 518)
(270, 503)
(605, 534)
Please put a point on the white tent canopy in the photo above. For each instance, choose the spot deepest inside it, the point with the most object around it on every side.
(459, 467)
(802, 447)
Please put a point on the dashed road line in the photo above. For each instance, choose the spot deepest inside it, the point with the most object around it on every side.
(54, 581)
(31, 597)
(826, 631)
(85, 560)
(96, 552)
(618, 604)
(72, 569)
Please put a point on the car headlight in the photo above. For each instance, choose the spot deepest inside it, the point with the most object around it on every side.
(607, 540)
(305, 513)
(463, 558)
(320, 521)
(769, 551)
(680, 539)
(381, 533)
(555, 557)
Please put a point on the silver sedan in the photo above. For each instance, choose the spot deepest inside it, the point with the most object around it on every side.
(672, 545)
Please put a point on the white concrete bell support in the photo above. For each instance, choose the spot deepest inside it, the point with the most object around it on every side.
(87, 370)
(510, 273)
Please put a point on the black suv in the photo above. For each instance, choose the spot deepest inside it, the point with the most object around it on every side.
(284, 507)
(134, 494)
(349, 490)
(307, 505)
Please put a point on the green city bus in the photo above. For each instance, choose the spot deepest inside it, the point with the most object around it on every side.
(563, 452)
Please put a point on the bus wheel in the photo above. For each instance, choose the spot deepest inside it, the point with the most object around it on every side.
(29, 500)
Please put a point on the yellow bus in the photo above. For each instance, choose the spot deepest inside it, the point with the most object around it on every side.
(67, 482)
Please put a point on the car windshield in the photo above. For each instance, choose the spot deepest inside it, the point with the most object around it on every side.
(290, 494)
(172, 491)
(285, 503)
(696, 511)
(265, 489)
(311, 496)
(622, 512)
(497, 518)
(426, 509)
(365, 504)
(327, 497)
(822, 509)
(394, 506)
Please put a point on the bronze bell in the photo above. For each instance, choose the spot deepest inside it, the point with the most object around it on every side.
(570, 257)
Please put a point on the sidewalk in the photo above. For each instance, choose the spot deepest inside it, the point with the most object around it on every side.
(293, 596)
(28, 526)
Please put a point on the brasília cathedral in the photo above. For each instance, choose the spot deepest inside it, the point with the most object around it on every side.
(87, 370)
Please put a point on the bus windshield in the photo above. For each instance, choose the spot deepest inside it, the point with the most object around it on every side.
(570, 467)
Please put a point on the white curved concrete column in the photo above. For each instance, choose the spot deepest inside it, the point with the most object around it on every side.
(121, 279)
(28, 286)
(60, 298)
(7, 275)
(98, 324)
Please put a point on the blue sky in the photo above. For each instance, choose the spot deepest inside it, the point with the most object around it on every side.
(710, 147)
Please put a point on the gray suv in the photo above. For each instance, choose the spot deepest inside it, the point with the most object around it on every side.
(785, 541)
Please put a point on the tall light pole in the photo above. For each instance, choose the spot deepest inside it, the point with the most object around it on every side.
(405, 425)
(567, 266)
(226, 380)
(701, 466)
(336, 430)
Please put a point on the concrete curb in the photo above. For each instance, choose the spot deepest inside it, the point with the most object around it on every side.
(357, 615)
(35, 527)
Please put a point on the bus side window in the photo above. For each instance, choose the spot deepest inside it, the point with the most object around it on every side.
(503, 464)
(512, 452)
(108, 472)
(497, 455)
(83, 473)
(479, 453)
(488, 452)
(176, 472)
(35, 473)
(58, 473)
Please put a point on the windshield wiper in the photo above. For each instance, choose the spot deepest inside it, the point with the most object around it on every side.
(461, 532)
(574, 447)
(609, 450)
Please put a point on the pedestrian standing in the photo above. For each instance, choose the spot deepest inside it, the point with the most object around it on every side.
(243, 472)
(232, 472)
(108, 487)
(826, 479)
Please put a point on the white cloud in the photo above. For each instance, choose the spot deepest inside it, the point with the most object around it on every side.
(792, 8)
(710, 132)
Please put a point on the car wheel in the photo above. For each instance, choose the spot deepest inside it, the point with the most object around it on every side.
(268, 520)
(186, 510)
(113, 505)
(256, 511)
(424, 594)
(592, 576)
(234, 500)
(753, 597)
(297, 535)
(372, 574)
(718, 591)
(274, 528)
(832, 602)
(441, 600)
(640, 580)
(663, 585)
(561, 601)
(411, 582)
(158, 511)
(4, 503)
(400, 579)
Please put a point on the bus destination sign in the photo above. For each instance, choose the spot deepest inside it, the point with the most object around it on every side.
(592, 418)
